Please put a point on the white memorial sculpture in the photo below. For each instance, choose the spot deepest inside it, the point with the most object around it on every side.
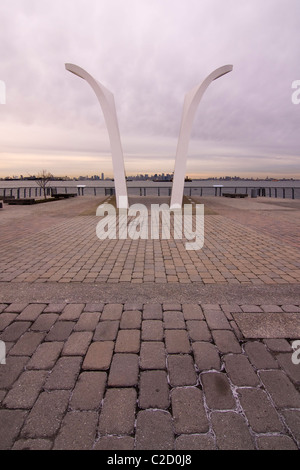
(107, 103)
(191, 103)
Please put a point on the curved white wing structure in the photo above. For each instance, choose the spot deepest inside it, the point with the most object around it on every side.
(107, 103)
(191, 103)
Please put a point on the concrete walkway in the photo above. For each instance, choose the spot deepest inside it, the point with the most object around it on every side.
(136, 359)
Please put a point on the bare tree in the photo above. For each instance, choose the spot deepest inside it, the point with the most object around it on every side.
(43, 179)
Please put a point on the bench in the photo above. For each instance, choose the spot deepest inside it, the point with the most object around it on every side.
(57, 195)
(63, 195)
(235, 195)
(6, 198)
(20, 202)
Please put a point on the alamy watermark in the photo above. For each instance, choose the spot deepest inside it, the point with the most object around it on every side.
(161, 222)
(296, 353)
(2, 92)
(296, 93)
(2, 353)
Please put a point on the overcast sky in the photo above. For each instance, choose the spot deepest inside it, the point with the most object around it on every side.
(149, 53)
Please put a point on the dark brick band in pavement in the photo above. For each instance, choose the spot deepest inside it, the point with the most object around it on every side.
(156, 376)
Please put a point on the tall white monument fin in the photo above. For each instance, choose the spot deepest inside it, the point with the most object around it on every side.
(107, 103)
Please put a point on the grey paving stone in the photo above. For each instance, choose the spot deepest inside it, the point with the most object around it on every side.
(206, 356)
(60, 331)
(112, 312)
(281, 389)
(87, 321)
(271, 308)
(290, 308)
(251, 308)
(292, 420)
(44, 322)
(154, 430)
(189, 415)
(226, 341)
(11, 422)
(177, 341)
(181, 370)
(275, 443)
(173, 320)
(131, 319)
(133, 306)
(6, 319)
(64, 373)
(89, 391)
(152, 355)
(14, 331)
(115, 443)
(97, 307)
(77, 431)
(217, 391)
(152, 312)
(259, 356)
(31, 312)
(124, 370)
(195, 442)
(268, 325)
(171, 306)
(152, 330)
(236, 330)
(231, 431)
(45, 417)
(71, 312)
(77, 343)
(16, 307)
(45, 356)
(240, 371)
(32, 444)
(118, 412)
(128, 341)
(198, 330)
(192, 312)
(99, 356)
(216, 320)
(207, 307)
(13, 368)
(25, 390)
(54, 308)
(27, 344)
(259, 411)
(292, 370)
(154, 389)
(106, 331)
(278, 345)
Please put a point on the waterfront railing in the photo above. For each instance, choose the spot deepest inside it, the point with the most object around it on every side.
(25, 192)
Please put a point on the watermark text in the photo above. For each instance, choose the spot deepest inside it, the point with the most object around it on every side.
(2, 92)
(161, 223)
(296, 93)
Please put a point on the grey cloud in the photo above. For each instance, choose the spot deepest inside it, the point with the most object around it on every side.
(149, 54)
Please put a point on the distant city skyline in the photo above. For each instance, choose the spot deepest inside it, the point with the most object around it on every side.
(149, 54)
(141, 176)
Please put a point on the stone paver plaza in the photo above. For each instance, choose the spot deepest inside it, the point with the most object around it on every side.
(134, 345)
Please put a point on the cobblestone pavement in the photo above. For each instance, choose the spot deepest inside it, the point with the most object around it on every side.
(149, 376)
(108, 347)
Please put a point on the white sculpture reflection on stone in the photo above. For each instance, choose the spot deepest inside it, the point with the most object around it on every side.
(191, 103)
(107, 103)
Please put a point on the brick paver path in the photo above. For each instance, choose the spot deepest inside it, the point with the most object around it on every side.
(153, 376)
(63, 247)
(153, 371)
